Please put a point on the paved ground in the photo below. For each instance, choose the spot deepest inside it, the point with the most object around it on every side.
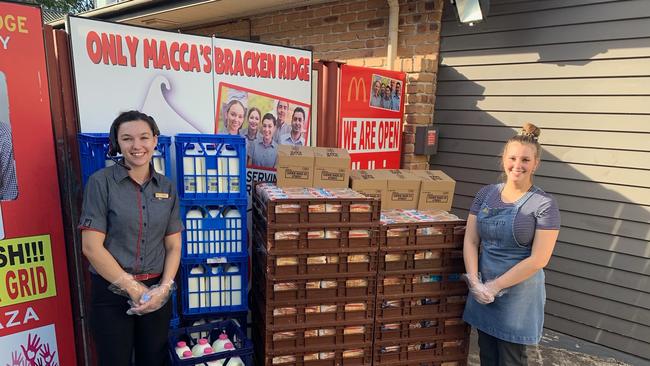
(554, 351)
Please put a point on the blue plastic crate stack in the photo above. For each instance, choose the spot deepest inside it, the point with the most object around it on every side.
(211, 173)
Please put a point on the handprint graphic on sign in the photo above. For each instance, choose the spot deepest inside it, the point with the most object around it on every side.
(33, 346)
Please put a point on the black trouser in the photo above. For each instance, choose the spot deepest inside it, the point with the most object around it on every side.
(496, 352)
(116, 334)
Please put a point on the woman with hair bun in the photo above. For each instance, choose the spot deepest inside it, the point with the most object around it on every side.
(516, 225)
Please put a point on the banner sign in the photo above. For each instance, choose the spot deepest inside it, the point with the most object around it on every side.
(26, 268)
(193, 84)
(163, 74)
(35, 314)
(371, 114)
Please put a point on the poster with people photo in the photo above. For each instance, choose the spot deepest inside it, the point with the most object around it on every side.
(36, 325)
(386, 93)
(265, 120)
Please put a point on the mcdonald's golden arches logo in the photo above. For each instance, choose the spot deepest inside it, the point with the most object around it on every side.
(359, 83)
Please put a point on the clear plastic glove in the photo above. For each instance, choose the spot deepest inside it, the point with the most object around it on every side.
(129, 287)
(491, 289)
(152, 300)
(478, 289)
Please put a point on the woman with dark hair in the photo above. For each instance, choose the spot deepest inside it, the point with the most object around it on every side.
(234, 117)
(252, 133)
(375, 94)
(515, 224)
(130, 232)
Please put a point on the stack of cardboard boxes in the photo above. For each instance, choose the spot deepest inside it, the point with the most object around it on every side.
(324, 167)
(303, 166)
(406, 189)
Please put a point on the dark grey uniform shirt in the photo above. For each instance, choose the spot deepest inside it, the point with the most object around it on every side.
(134, 218)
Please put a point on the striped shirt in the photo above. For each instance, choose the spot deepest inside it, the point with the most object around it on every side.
(539, 212)
(8, 183)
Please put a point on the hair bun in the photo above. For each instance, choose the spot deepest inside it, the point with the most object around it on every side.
(530, 130)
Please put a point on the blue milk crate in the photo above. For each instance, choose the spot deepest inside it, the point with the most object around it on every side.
(214, 230)
(93, 154)
(236, 334)
(208, 287)
(211, 167)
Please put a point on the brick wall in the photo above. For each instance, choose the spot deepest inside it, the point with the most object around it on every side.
(356, 32)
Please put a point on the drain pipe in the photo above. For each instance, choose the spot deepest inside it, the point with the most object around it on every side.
(393, 23)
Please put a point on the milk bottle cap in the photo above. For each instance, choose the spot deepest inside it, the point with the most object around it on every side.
(203, 341)
(181, 344)
(223, 336)
(229, 346)
(187, 354)
(208, 351)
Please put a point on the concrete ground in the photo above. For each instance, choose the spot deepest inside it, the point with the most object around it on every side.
(557, 349)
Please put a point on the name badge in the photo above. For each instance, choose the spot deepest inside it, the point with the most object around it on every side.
(161, 195)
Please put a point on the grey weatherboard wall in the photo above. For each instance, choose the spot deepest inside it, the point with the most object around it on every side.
(580, 70)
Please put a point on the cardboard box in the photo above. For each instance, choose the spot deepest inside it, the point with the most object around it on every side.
(436, 190)
(295, 166)
(403, 190)
(331, 167)
(371, 183)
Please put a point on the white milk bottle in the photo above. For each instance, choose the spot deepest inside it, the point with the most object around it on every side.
(219, 344)
(180, 348)
(193, 230)
(231, 296)
(197, 288)
(187, 354)
(200, 347)
(228, 163)
(228, 346)
(159, 164)
(208, 351)
(201, 181)
(235, 361)
(234, 229)
(191, 163)
(213, 235)
(213, 182)
(215, 286)
(201, 334)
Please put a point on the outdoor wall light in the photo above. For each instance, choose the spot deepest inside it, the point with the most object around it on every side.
(471, 11)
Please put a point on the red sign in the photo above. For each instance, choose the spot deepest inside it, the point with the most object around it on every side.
(371, 109)
(35, 312)
(431, 138)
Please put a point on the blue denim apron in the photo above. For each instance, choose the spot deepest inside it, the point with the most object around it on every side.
(518, 315)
